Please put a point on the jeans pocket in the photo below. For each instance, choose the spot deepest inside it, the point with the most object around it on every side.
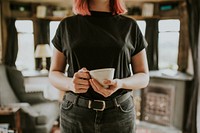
(127, 106)
(66, 105)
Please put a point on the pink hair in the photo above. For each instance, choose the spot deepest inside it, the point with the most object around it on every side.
(81, 7)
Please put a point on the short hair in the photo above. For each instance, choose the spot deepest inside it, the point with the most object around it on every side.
(81, 7)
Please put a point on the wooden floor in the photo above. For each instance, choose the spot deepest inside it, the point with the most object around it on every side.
(145, 127)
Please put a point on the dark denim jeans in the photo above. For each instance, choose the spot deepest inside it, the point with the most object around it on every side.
(76, 119)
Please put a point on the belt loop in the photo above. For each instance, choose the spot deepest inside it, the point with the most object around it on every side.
(76, 99)
(116, 103)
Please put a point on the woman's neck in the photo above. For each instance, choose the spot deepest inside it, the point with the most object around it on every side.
(99, 5)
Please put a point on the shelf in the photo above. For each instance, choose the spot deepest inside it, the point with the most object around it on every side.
(33, 73)
(61, 1)
(171, 75)
(154, 1)
(50, 18)
(23, 18)
(36, 1)
(52, 3)
(136, 17)
(53, 18)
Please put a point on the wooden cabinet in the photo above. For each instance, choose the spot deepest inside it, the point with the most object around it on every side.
(175, 88)
(11, 115)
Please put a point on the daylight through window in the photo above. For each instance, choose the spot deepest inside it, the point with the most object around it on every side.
(25, 57)
(168, 42)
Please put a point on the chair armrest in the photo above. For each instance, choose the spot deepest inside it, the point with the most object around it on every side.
(32, 116)
(34, 97)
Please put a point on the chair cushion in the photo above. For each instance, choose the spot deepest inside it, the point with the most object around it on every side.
(7, 95)
(16, 80)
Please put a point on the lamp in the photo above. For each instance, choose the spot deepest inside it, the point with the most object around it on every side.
(43, 51)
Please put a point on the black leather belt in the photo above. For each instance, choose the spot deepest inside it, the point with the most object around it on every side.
(98, 105)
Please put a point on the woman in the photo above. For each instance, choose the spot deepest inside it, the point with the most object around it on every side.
(98, 37)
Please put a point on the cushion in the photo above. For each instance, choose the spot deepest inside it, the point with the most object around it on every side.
(16, 80)
(7, 95)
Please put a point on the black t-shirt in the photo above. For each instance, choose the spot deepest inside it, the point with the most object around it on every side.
(101, 40)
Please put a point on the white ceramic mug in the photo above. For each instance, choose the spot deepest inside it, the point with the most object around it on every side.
(101, 74)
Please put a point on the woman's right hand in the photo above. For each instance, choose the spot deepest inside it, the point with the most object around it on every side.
(80, 81)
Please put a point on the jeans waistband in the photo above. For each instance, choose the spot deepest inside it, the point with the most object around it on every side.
(98, 105)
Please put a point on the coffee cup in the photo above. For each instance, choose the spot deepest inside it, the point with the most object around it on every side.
(102, 74)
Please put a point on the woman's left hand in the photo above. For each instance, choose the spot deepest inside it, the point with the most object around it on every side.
(114, 85)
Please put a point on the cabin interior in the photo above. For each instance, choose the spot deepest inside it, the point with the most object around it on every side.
(169, 104)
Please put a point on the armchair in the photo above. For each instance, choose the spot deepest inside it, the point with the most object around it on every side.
(38, 114)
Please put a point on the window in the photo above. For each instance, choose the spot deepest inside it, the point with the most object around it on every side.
(53, 27)
(142, 26)
(25, 58)
(168, 42)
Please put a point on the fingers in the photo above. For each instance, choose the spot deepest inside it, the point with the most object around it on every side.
(83, 70)
(80, 81)
(110, 82)
(82, 73)
(80, 88)
(97, 87)
(101, 90)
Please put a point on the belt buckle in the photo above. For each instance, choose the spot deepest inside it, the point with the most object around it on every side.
(97, 109)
